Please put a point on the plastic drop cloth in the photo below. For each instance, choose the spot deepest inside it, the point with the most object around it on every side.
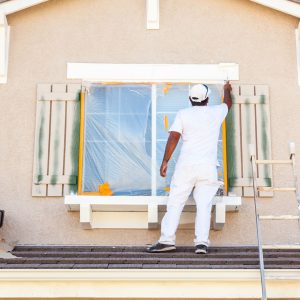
(118, 136)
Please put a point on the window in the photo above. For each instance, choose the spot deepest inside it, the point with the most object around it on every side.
(125, 133)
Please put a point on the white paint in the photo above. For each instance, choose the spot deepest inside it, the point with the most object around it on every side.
(298, 51)
(115, 202)
(205, 73)
(292, 147)
(152, 215)
(120, 220)
(139, 283)
(284, 6)
(153, 141)
(152, 14)
(4, 48)
(139, 211)
(13, 6)
(220, 213)
(86, 218)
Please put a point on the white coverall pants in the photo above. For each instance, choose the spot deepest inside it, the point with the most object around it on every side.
(204, 180)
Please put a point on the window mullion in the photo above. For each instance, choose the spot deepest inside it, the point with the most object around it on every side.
(153, 141)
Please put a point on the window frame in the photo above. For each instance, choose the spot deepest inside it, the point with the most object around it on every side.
(153, 144)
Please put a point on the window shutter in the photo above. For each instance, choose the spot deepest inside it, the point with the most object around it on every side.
(248, 122)
(55, 164)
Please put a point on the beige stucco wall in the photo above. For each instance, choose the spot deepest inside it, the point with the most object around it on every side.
(44, 38)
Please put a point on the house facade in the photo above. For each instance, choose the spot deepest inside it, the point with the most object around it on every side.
(46, 40)
(60, 59)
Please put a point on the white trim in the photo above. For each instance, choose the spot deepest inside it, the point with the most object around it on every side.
(206, 73)
(13, 6)
(284, 6)
(152, 14)
(297, 31)
(138, 283)
(140, 212)
(4, 48)
(153, 141)
(102, 203)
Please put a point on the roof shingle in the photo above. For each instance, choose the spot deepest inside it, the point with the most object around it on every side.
(105, 257)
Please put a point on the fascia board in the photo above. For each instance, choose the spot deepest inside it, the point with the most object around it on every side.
(13, 6)
(139, 283)
(284, 6)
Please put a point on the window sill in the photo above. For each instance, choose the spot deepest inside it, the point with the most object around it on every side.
(141, 212)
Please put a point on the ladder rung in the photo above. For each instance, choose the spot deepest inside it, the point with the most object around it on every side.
(276, 189)
(264, 162)
(283, 217)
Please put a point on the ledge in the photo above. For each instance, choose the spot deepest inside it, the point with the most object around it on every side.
(140, 211)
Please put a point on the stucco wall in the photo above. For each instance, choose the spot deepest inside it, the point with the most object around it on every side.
(44, 38)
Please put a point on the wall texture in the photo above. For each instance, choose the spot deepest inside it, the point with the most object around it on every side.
(44, 38)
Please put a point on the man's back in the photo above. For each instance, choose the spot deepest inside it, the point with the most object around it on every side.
(199, 127)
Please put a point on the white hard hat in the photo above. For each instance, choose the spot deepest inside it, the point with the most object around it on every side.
(199, 92)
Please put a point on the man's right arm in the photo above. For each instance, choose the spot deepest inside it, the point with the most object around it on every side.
(227, 94)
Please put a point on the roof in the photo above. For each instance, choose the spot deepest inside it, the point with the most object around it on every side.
(121, 257)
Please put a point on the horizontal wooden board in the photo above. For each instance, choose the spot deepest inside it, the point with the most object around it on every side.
(57, 179)
(248, 181)
(261, 99)
(59, 96)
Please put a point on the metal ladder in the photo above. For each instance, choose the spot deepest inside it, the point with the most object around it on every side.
(256, 189)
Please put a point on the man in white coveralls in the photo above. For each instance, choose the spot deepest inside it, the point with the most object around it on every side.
(196, 167)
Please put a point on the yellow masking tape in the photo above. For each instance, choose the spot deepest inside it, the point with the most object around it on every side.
(105, 190)
(166, 122)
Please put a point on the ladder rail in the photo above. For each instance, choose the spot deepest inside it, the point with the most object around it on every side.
(293, 159)
(258, 232)
(256, 189)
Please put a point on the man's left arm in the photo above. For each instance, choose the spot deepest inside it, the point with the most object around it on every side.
(170, 147)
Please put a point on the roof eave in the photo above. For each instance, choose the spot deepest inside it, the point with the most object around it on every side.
(13, 6)
(287, 7)
(284, 6)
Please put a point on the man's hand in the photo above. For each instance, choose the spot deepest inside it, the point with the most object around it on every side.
(227, 87)
(163, 169)
(227, 95)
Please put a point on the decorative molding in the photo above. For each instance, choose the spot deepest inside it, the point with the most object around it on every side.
(152, 14)
(153, 73)
(140, 211)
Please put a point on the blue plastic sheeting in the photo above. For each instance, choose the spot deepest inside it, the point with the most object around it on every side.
(118, 136)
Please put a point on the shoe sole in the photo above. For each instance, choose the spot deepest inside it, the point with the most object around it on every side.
(167, 249)
(201, 252)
